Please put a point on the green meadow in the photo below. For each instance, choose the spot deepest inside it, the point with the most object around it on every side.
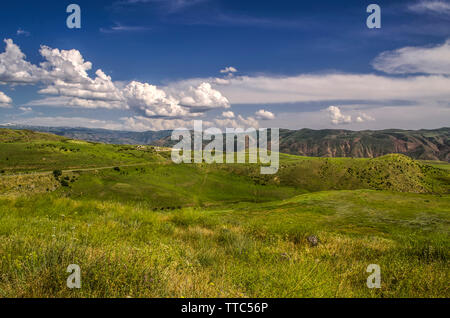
(140, 226)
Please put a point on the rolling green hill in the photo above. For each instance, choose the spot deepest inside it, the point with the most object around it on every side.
(391, 172)
(21, 136)
(22, 151)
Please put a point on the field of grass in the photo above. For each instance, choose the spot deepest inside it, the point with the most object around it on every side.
(163, 230)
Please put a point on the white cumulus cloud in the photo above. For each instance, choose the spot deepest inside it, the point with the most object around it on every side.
(363, 118)
(152, 101)
(65, 76)
(229, 69)
(338, 118)
(5, 100)
(66, 65)
(264, 114)
(203, 97)
(14, 69)
(99, 89)
(228, 114)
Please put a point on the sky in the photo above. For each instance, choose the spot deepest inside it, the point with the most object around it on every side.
(160, 64)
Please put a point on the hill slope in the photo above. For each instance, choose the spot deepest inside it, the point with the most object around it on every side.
(24, 150)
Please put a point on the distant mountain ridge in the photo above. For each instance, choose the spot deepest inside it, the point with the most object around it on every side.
(422, 144)
(418, 144)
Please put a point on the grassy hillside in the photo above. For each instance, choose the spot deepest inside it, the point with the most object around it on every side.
(141, 226)
(10, 135)
(246, 250)
(391, 172)
(22, 151)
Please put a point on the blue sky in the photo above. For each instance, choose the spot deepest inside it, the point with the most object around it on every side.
(289, 64)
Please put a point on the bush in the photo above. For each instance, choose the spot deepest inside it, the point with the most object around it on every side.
(64, 183)
(116, 168)
(57, 173)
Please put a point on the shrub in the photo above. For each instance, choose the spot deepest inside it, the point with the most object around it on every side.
(116, 168)
(57, 173)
